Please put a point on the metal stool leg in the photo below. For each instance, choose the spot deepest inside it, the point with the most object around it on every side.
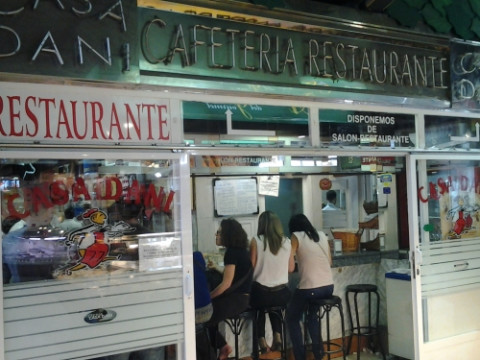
(236, 325)
(358, 331)
(323, 309)
(370, 327)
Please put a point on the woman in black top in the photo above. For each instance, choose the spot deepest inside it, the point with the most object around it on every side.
(232, 295)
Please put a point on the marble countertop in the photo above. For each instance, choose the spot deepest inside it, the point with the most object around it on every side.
(362, 257)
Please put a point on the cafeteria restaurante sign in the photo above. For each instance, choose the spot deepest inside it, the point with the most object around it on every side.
(188, 44)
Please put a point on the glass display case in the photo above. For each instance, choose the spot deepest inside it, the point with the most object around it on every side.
(446, 259)
(95, 245)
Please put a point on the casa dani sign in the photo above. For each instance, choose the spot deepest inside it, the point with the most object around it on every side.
(88, 39)
(114, 40)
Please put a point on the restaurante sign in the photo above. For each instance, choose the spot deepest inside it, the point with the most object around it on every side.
(70, 114)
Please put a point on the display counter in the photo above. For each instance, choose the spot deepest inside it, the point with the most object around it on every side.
(363, 257)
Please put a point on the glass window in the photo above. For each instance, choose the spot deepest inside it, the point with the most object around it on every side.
(245, 124)
(64, 218)
(449, 132)
(362, 195)
(448, 192)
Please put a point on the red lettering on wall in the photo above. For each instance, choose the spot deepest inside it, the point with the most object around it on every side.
(79, 188)
(31, 116)
(169, 201)
(47, 103)
(14, 115)
(132, 121)
(2, 131)
(11, 207)
(163, 123)
(63, 121)
(115, 123)
(149, 108)
(134, 193)
(39, 197)
(59, 193)
(97, 117)
(422, 198)
(111, 186)
(151, 197)
(46, 196)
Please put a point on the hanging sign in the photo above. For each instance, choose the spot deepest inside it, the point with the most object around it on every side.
(66, 114)
(349, 128)
(209, 47)
(87, 39)
(465, 75)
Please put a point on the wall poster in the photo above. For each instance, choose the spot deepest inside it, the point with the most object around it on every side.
(235, 197)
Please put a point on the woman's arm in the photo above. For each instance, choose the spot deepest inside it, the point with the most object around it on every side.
(329, 254)
(227, 280)
(293, 251)
(253, 252)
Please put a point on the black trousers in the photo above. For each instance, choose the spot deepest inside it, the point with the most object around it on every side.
(262, 297)
(225, 307)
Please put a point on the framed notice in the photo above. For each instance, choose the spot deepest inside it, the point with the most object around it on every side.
(234, 197)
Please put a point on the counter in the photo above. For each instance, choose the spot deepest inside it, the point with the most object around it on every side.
(363, 257)
(400, 313)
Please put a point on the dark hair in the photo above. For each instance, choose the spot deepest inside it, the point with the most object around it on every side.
(131, 210)
(300, 222)
(331, 195)
(232, 234)
(270, 226)
(69, 212)
(8, 222)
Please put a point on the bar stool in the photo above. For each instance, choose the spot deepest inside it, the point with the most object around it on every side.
(323, 307)
(366, 330)
(236, 325)
(280, 312)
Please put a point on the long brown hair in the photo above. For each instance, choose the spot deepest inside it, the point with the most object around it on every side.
(232, 234)
(270, 226)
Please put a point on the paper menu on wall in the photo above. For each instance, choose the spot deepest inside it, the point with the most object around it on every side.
(269, 185)
(235, 197)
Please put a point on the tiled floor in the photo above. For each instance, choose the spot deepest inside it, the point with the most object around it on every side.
(364, 356)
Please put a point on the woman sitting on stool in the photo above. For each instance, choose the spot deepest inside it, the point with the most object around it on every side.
(232, 296)
(272, 259)
(316, 282)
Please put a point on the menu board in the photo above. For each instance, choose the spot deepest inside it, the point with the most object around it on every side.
(235, 197)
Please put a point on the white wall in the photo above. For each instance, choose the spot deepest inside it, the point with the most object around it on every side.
(207, 223)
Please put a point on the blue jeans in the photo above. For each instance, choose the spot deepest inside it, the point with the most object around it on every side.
(295, 311)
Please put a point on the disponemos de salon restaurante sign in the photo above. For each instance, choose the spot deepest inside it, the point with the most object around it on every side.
(351, 128)
(206, 47)
(67, 114)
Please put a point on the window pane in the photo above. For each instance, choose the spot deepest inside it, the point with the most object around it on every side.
(89, 217)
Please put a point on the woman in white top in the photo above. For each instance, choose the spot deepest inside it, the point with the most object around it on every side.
(316, 282)
(272, 259)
